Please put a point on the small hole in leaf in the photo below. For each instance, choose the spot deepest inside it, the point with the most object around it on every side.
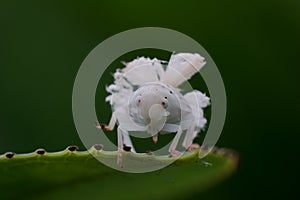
(98, 147)
(149, 152)
(40, 151)
(9, 154)
(72, 148)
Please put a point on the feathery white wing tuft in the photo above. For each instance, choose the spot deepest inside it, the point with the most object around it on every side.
(181, 67)
(198, 101)
(135, 74)
(143, 70)
(120, 91)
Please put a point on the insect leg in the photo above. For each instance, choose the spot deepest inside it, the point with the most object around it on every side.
(120, 147)
(127, 140)
(188, 140)
(172, 148)
(111, 125)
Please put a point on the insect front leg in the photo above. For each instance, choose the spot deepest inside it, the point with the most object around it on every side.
(172, 148)
(111, 125)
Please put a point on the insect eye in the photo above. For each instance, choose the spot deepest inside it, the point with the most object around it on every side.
(164, 103)
(138, 101)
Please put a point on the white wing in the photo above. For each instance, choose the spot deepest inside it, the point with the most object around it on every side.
(198, 101)
(181, 67)
(120, 92)
(143, 70)
(136, 73)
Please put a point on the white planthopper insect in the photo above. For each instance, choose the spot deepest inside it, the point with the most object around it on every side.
(146, 97)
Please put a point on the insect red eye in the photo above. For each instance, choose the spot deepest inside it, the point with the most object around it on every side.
(138, 101)
(164, 104)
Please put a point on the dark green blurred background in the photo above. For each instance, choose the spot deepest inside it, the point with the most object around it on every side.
(255, 44)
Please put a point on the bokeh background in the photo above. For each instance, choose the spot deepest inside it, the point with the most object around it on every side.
(255, 44)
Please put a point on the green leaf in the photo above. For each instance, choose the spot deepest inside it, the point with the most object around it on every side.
(79, 175)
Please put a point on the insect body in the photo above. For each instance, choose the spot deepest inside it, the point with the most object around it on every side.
(145, 97)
